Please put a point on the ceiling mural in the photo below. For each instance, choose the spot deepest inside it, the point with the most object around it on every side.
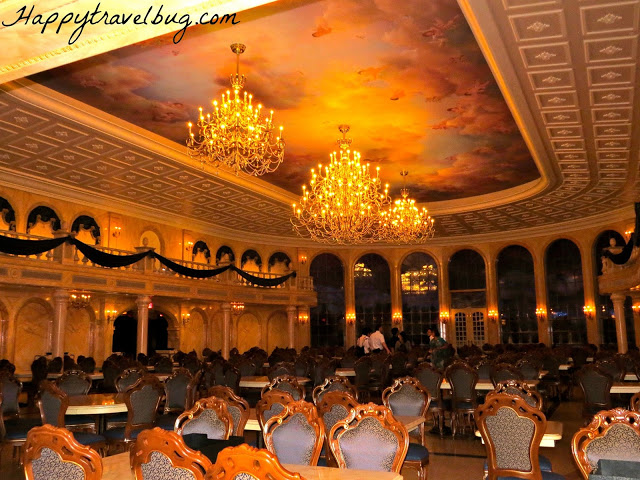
(407, 76)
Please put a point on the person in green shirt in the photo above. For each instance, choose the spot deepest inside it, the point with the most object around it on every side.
(438, 347)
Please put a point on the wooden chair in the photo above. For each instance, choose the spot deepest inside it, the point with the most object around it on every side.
(464, 400)
(208, 416)
(596, 386)
(245, 462)
(516, 387)
(333, 384)
(286, 383)
(333, 407)
(237, 406)
(128, 378)
(512, 431)
(369, 439)
(504, 371)
(612, 434)
(53, 453)
(177, 391)
(271, 403)
(635, 402)
(431, 378)
(74, 382)
(158, 453)
(296, 434)
(15, 436)
(11, 388)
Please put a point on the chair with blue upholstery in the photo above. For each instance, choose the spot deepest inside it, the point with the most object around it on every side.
(178, 395)
(611, 435)
(464, 399)
(596, 386)
(431, 378)
(127, 378)
(237, 406)
(286, 383)
(209, 416)
(52, 453)
(362, 378)
(333, 383)
(247, 463)
(333, 407)
(53, 404)
(271, 403)
(10, 387)
(296, 434)
(74, 382)
(504, 371)
(14, 435)
(369, 439)
(142, 401)
(512, 431)
(529, 367)
(160, 454)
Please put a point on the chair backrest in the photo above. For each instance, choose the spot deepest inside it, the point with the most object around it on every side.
(462, 379)
(612, 434)
(111, 371)
(53, 404)
(87, 365)
(635, 402)
(529, 368)
(516, 387)
(286, 383)
(74, 382)
(177, 391)
(512, 431)
(237, 406)
(281, 368)
(333, 384)
(53, 453)
(369, 439)
(247, 463)
(159, 453)
(208, 416)
(334, 407)
(613, 367)
(407, 397)
(362, 369)
(164, 365)
(127, 378)
(10, 387)
(232, 378)
(504, 371)
(430, 378)
(484, 368)
(142, 400)
(296, 434)
(271, 403)
(323, 368)
(596, 385)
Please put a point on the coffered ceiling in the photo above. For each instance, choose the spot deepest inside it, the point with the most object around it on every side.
(566, 69)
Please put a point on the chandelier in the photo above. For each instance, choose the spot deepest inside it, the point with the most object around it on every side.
(79, 301)
(343, 201)
(236, 133)
(403, 222)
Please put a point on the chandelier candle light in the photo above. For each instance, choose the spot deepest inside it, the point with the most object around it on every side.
(343, 202)
(236, 133)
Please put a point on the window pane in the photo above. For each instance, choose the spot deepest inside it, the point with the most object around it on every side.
(372, 283)
(327, 318)
(420, 304)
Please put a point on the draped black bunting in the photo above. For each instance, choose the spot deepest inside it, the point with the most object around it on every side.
(18, 246)
(624, 256)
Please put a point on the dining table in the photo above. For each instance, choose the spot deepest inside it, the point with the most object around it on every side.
(625, 387)
(118, 467)
(98, 404)
(261, 381)
(485, 385)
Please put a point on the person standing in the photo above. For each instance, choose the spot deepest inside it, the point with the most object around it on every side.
(376, 340)
(394, 338)
(363, 341)
(438, 347)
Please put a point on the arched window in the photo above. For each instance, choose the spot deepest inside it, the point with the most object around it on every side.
(565, 292)
(225, 256)
(7, 216)
(327, 318)
(468, 289)
(612, 241)
(85, 223)
(420, 304)
(43, 221)
(279, 263)
(372, 281)
(251, 261)
(200, 252)
(517, 295)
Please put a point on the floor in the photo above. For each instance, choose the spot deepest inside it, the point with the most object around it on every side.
(450, 459)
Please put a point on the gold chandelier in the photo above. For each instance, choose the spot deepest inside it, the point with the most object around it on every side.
(236, 133)
(403, 222)
(343, 201)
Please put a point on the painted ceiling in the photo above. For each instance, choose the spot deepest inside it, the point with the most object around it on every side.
(407, 76)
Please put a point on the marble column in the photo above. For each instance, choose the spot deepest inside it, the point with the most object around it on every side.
(493, 325)
(544, 323)
(444, 300)
(621, 326)
(226, 329)
(396, 294)
(292, 314)
(350, 305)
(590, 291)
(61, 305)
(143, 323)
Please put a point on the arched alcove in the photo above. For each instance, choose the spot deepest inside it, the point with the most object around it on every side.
(200, 252)
(277, 331)
(33, 323)
(249, 332)
(225, 256)
(279, 263)
(7, 215)
(251, 261)
(77, 331)
(43, 221)
(86, 230)
(193, 334)
(151, 239)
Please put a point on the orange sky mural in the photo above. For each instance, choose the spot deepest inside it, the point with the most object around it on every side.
(407, 76)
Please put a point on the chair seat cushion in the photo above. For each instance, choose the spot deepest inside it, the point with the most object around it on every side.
(322, 462)
(465, 406)
(117, 417)
(22, 423)
(167, 421)
(118, 433)
(79, 420)
(16, 433)
(545, 476)
(545, 464)
(417, 453)
(88, 438)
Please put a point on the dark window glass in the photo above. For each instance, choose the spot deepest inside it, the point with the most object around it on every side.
(373, 292)
(327, 318)
(420, 304)
(466, 271)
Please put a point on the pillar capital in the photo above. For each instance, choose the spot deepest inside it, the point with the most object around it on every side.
(292, 308)
(226, 307)
(60, 295)
(618, 296)
(142, 300)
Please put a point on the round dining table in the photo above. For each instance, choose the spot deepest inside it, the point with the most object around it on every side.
(99, 404)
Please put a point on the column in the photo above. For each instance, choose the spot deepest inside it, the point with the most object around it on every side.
(143, 323)
(539, 272)
(444, 302)
(226, 329)
(493, 330)
(61, 304)
(590, 291)
(350, 305)
(396, 295)
(636, 317)
(292, 314)
(621, 326)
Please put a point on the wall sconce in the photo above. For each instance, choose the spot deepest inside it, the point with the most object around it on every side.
(188, 247)
(540, 314)
(493, 315)
(628, 233)
(79, 301)
(110, 315)
(303, 317)
(237, 307)
(185, 318)
(351, 318)
(396, 317)
(636, 309)
(588, 311)
(116, 232)
(302, 258)
(444, 317)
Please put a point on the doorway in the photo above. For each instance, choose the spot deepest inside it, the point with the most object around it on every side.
(469, 326)
(125, 334)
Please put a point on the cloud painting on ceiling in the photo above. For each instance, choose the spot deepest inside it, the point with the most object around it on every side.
(407, 76)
